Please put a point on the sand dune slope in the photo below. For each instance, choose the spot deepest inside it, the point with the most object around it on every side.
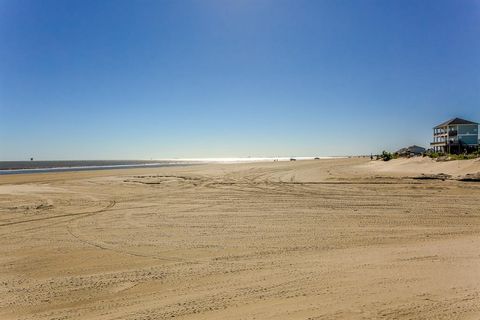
(424, 165)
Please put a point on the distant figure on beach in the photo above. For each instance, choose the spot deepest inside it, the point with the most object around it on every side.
(371, 156)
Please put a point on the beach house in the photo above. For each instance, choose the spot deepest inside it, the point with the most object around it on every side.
(411, 151)
(455, 136)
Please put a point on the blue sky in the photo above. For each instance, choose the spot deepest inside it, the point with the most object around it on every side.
(222, 78)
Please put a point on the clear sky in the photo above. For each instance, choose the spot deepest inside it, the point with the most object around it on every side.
(221, 78)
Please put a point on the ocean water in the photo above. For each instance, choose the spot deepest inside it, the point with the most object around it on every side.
(18, 167)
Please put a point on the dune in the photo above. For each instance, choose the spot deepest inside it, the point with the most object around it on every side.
(424, 165)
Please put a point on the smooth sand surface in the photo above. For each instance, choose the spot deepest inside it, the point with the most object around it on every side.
(325, 239)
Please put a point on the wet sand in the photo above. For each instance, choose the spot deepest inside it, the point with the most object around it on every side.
(325, 239)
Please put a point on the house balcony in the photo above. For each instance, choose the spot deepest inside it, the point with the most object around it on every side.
(453, 133)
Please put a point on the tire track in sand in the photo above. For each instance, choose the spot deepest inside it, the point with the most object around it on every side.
(84, 214)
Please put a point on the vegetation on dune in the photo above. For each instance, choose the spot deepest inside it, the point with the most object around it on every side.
(386, 156)
(448, 157)
(463, 156)
(433, 155)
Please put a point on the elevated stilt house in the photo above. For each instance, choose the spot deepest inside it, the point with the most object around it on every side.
(455, 136)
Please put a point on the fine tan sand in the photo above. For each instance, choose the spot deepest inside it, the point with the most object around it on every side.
(325, 239)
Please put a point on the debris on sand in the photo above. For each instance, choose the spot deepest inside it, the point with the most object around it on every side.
(470, 177)
(439, 176)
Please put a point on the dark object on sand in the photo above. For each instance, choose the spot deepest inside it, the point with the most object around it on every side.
(440, 176)
(293, 159)
(471, 177)
(316, 158)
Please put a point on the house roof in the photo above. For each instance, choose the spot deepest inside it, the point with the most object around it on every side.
(454, 121)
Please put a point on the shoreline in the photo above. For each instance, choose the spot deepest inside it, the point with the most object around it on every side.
(137, 164)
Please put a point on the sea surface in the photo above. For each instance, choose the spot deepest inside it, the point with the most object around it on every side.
(18, 167)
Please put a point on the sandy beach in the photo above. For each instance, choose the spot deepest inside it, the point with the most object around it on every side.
(319, 239)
